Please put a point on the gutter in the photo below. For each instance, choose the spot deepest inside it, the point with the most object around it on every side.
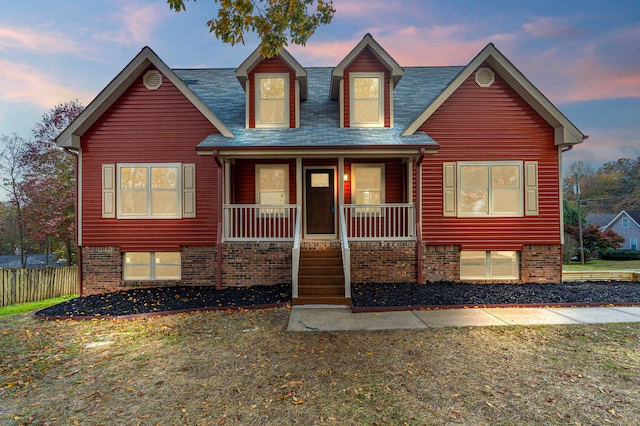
(77, 189)
(219, 232)
(419, 215)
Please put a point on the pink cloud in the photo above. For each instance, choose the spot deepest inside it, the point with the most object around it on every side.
(23, 84)
(137, 24)
(605, 145)
(38, 41)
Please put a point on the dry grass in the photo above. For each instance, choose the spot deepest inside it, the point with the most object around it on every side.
(243, 368)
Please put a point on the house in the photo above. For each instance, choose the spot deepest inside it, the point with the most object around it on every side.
(626, 224)
(14, 261)
(318, 178)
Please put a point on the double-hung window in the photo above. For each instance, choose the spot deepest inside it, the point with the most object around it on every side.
(272, 100)
(152, 266)
(367, 99)
(490, 189)
(272, 186)
(149, 190)
(367, 186)
(625, 222)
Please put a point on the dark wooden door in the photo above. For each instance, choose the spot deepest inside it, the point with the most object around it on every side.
(320, 201)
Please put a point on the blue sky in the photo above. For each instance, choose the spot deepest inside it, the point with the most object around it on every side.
(583, 55)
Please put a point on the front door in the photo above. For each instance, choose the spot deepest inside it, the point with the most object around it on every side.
(320, 202)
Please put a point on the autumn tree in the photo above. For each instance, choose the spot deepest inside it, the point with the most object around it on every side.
(49, 182)
(276, 22)
(12, 149)
(594, 240)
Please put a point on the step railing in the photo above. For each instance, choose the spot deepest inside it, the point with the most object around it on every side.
(295, 253)
(346, 255)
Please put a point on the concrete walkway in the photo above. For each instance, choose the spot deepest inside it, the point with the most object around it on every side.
(331, 318)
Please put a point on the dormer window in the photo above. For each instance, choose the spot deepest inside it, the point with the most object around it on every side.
(272, 100)
(367, 99)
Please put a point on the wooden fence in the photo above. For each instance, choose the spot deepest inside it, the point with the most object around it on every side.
(32, 285)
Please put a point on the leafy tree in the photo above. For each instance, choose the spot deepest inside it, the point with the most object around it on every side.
(12, 149)
(8, 229)
(49, 181)
(594, 240)
(277, 22)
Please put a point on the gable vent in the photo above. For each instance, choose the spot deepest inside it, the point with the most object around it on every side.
(485, 77)
(152, 80)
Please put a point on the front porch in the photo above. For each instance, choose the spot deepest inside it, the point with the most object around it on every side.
(374, 240)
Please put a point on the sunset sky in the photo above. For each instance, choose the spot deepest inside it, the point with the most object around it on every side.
(583, 55)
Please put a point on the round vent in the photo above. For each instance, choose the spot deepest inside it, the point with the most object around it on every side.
(485, 77)
(152, 80)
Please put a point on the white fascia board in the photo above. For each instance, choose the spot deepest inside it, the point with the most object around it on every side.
(565, 132)
(617, 217)
(70, 137)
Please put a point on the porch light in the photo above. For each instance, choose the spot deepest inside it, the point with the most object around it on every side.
(345, 177)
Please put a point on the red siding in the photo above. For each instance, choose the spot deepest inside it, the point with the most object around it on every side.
(490, 124)
(272, 65)
(367, 62)
(148, 126)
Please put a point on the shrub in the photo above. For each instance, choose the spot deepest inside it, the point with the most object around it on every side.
(621, 255)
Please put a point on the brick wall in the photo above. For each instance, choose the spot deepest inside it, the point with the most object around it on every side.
(383, 262)
(440, 263)
(247, 263)
(541, 264)
(102, 270)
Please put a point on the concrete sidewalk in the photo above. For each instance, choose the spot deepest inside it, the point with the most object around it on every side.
(331, 318)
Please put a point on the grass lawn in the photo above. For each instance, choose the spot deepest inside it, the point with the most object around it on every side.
(602, 265)
(31, 306)
(239, 368)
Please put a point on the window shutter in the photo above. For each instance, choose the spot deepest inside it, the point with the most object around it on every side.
(531, 188)
(449, 194)
(108, 191)
(188, 190)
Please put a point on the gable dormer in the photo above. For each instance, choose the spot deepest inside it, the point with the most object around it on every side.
(363, 84)
(274, 88)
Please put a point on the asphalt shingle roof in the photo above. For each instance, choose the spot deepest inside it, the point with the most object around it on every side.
(220, 90)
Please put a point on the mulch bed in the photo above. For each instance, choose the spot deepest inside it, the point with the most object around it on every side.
(154, 301)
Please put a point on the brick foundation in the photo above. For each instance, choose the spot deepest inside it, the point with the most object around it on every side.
(541, 264)
(383, 262)
(440, 263)
(102, 270)
(247, 263)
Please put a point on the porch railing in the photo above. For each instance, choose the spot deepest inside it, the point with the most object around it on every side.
(259, 222)
(380, 221)
(346, 255)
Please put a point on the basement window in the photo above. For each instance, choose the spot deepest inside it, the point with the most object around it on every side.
(489, 265)
(151, 266)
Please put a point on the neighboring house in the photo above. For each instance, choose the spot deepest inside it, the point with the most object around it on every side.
(626, 224)
(319, 177)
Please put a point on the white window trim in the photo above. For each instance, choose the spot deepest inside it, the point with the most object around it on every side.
(490, 164)
(633, 240)
(148, 215)
(487, 264)
(285, 167)
(354, 186)
(287, 107)
(152, 273)
(380, 76)
(625, 220)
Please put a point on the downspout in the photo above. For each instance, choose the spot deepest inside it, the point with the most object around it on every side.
(219, 233)
(77, 189)
(419, 214)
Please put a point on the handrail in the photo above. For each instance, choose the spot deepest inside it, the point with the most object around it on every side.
(346, 254)
(295, 253)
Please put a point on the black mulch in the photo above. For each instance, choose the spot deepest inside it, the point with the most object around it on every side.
(374, 296)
